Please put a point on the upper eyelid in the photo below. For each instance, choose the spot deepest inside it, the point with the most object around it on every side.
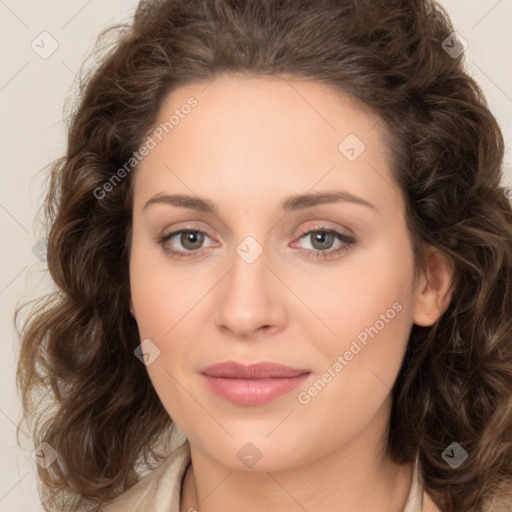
(317, 225)
(324, 227)
(302, 232)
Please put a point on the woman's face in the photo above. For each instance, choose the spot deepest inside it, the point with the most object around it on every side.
(258, 279)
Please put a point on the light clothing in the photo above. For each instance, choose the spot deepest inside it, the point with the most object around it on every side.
(159, 491)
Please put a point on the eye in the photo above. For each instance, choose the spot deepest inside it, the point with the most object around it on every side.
(322, 239)
(191, 240)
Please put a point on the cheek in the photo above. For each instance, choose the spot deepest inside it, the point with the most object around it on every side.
(161, 296)
(371, 314)
(368, 309)
(364, 286)
(163, 304)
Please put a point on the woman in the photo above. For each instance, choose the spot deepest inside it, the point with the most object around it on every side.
(283, 260)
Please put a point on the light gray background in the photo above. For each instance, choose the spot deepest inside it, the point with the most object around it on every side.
(32, 95)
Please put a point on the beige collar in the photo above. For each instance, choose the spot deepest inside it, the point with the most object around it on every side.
(418, 499)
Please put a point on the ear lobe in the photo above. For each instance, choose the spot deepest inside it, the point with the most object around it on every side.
(433, 293)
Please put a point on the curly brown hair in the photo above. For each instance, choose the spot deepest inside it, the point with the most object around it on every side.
(101, 413)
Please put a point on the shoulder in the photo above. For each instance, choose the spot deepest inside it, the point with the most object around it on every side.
(157, 491)
(501, 501)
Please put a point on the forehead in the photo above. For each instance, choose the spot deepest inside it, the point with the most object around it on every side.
(261, 136)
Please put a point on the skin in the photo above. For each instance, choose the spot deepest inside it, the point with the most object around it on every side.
(250, 143)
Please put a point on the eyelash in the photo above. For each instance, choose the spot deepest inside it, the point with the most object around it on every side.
(349, 242)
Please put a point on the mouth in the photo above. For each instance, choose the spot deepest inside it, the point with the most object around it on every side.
(253, 384)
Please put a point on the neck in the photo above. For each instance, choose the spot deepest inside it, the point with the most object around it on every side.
(351, 477)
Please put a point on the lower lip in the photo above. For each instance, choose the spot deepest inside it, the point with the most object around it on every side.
(253, 391)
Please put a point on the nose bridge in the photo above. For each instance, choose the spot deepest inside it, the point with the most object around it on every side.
(249, 299)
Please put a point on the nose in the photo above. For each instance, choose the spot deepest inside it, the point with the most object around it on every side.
(250, 299)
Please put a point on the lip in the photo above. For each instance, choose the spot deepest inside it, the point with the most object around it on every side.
(253, 384)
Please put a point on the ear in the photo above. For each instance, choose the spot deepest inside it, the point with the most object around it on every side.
(433, 292)
(132, 310)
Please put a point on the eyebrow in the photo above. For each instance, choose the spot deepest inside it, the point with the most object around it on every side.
(293, 203)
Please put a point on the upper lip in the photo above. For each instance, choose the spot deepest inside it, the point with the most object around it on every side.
(263, 370)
